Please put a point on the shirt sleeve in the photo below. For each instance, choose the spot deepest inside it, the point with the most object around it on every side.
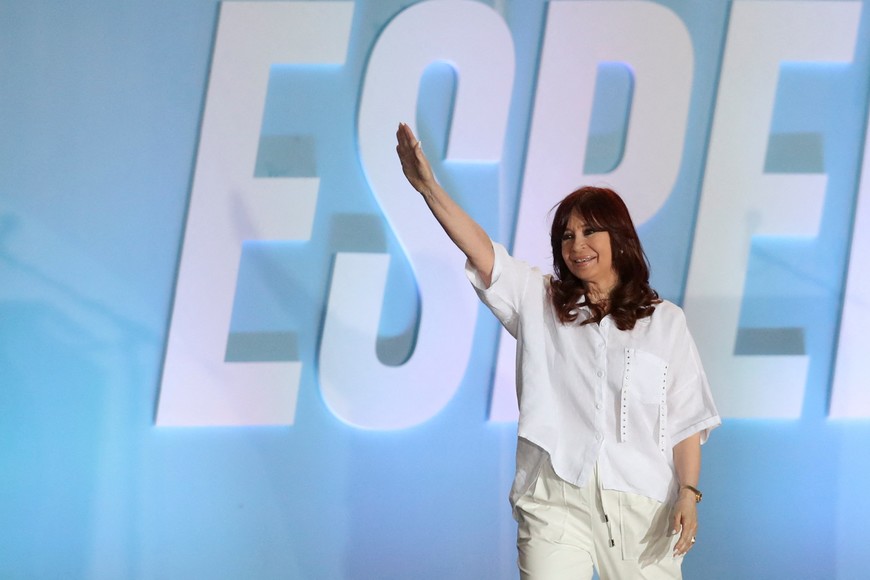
(505, 293)
(691, 408)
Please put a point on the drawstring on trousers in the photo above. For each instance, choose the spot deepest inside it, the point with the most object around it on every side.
(604, 508)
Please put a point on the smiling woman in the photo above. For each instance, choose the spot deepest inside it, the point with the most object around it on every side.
(613, 400)
(597, 257)
(589, 256)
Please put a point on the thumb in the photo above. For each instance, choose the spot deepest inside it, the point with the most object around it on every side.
(677, 525)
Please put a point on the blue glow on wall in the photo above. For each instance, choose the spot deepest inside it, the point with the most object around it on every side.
(102, 109)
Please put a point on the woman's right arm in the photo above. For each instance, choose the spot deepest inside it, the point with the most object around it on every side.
(464, 231)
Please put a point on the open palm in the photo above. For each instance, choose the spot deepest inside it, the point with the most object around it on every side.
(415, 166)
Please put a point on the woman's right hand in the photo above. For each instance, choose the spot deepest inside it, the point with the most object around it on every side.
(462, 229)
(415, 166)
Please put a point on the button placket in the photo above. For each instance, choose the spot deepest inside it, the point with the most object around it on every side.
(601, 384)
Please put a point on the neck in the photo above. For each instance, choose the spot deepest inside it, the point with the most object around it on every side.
(597, 294)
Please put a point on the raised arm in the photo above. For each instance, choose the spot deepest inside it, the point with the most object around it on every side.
(464, 231)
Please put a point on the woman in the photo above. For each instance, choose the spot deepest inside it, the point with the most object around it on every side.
(614, 403)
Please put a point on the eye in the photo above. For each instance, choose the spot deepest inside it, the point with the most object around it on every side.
(589, 231)
(567, 236)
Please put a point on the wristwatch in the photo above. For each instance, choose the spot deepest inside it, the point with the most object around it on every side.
(696, 491)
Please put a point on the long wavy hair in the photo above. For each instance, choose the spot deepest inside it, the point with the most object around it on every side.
(632, 298)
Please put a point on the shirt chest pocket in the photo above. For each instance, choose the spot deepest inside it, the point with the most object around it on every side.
(643, 400)
(645, 377)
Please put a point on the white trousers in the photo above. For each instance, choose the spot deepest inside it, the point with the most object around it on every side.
(563, 533)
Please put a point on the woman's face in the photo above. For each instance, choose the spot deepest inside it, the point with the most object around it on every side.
(588, 254)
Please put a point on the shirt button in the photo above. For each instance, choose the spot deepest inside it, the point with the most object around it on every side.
(597, 405)
(600, 374)
(598, 436)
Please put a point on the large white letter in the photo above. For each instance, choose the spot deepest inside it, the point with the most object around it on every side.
(655, 45)
(850, 397)
(358, 388)
(228, 206)
(740, 201)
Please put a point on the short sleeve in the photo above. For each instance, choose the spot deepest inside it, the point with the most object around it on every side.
(691, 408)
(504, 296)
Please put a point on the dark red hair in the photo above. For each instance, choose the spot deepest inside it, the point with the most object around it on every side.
(632, 298)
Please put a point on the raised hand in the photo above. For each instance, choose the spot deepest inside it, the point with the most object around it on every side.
(415, 166)
(466, 233)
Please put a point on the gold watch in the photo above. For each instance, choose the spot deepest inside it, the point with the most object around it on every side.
(695, 490)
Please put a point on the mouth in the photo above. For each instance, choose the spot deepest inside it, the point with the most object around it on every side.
(581, 261)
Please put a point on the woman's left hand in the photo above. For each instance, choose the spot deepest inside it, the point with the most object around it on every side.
(685, 521)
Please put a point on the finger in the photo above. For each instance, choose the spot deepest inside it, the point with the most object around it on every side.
(684, 544)
(400, 132)
(690, 542)
(405, 147)
(409, 148)
(687, 540)
(686, 524)
(401, 136)
(407, 135)
(677, 525)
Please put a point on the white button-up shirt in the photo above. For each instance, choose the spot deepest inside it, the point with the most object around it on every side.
(596, 394)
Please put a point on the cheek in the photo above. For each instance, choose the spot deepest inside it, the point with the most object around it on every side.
(607, 259)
